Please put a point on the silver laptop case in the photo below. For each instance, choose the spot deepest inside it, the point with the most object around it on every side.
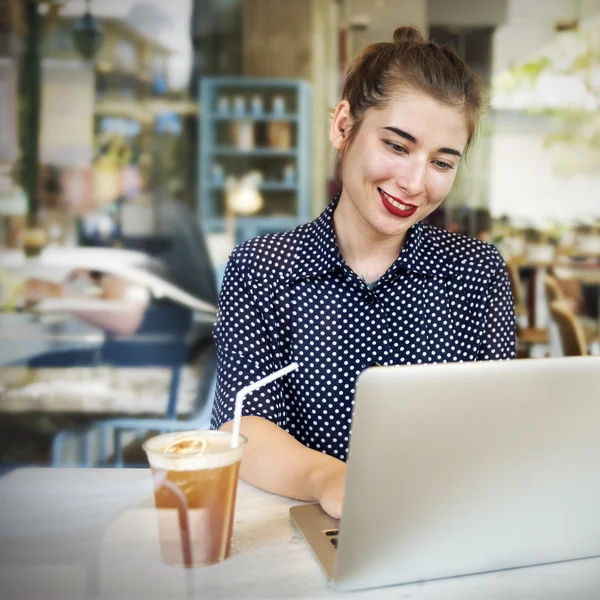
(465, 468)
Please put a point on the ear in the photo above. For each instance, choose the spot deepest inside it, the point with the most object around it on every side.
(340, 126)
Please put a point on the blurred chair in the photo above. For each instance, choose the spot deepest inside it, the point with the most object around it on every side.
(527, 337)
(161, 341)
(555, 293)
(109, 433)
(101, 442)
(571, 333)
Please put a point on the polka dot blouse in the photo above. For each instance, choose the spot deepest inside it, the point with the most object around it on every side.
(291, 297)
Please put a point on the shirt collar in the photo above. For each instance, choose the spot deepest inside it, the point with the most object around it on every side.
(318, 253)
(423, 253)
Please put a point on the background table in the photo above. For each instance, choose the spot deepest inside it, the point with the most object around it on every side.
(76, 533)
(24, 335)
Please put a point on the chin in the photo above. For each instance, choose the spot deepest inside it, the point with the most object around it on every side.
(393, 230)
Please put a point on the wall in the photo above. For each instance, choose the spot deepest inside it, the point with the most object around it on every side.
(298, 39)
(277, 38)
(523, 183)
(375, 20)
(67, 111)
(325, 77)
(467, 13)
(8, 110)
(530, 25)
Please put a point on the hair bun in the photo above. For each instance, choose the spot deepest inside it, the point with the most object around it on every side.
(408, 34)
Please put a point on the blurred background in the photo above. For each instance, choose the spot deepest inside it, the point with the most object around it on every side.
(140, 140)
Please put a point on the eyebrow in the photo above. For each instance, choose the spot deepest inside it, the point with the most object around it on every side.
(413, 139)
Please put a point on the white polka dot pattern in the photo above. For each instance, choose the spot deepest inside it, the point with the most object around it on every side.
(290, 297)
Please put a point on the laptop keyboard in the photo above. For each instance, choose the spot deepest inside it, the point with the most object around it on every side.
(332, 534)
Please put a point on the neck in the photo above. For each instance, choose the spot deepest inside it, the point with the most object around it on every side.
(367, 252)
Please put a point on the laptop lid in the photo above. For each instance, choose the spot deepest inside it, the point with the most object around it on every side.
(464, 468)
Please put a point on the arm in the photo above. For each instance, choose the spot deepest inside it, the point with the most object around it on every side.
(132, 298)
(276, 462)
(500, 333)
(246, 351)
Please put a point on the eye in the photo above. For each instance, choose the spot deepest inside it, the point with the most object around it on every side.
(397, 148)
(442, 165)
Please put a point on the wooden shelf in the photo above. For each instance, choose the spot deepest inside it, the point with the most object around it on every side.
(232, 151)
(287, 203)
(252, 117)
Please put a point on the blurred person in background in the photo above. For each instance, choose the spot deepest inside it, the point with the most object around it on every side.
(368, 282)
(177, 254)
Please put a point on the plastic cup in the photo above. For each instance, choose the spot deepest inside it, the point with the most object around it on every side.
(195, 484)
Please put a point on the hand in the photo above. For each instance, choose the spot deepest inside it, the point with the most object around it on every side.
(36, 290)
(330, 492)
(109, 287)
(113, 287)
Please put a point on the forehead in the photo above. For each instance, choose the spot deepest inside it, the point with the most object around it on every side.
(431, 122)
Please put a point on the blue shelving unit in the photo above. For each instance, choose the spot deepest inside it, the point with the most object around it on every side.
(225, 103)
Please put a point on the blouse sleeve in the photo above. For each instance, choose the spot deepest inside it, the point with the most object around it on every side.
(500, 334)
(245, 352)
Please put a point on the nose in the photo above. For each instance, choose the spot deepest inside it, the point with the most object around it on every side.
(412, 179)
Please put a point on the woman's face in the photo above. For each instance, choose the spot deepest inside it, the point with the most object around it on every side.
(402, 163)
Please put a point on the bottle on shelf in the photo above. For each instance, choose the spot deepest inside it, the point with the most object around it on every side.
(223, 106)
(243, 134)
(279, 135)
(289, 174)
(278, 106)
(256, 104)
(218, 177)
(239, 106)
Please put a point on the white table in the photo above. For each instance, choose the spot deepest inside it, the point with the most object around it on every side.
(78, 533)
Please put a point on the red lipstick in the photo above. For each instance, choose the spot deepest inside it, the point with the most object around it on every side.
(393, 209)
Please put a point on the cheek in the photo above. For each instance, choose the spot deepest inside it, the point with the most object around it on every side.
(439, 186)
(378, 166)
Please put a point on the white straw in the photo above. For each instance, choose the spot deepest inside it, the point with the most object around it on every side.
(239, 398)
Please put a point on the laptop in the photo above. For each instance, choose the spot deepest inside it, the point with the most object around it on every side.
(464, 468)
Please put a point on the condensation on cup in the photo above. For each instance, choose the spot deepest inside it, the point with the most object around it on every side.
(195, 483)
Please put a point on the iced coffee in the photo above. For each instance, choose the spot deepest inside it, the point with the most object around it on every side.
(33, 241)
(195, 482)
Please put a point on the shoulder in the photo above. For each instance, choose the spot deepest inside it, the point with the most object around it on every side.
(269, 256)
(460, 252)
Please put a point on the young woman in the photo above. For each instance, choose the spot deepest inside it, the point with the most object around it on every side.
(367, 282)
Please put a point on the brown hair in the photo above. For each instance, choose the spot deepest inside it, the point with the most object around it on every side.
(410, 62)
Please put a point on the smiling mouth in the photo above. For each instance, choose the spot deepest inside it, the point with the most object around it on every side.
(396, 203)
